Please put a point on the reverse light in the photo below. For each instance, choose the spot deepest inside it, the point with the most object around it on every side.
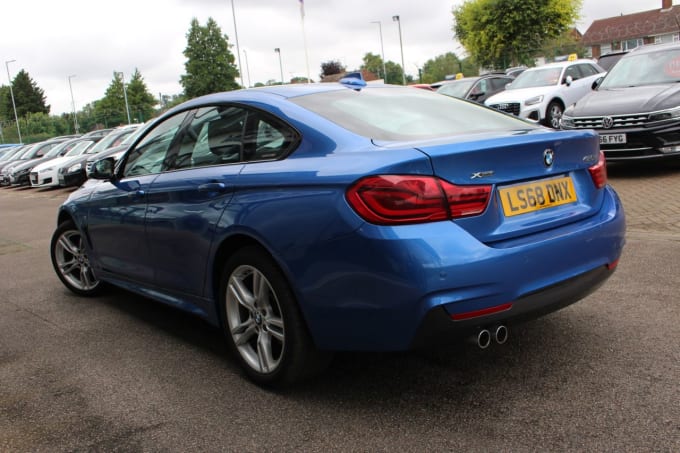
(599, 172)
(405, 199)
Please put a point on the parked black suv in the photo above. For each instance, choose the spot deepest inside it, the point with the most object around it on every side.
(636, 107)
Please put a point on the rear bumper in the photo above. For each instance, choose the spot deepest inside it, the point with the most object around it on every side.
(414, 279)
(439, 327)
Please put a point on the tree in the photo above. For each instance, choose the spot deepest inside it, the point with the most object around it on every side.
(110, 110)
(28, 97)
(141, 102)
(565, 44)
(439, 67)
(5, 101)
(331, 67)
(374, 64)
(210, 64)
(298, 79)
(502, 33)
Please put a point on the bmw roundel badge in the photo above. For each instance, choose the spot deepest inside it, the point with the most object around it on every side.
(548, 157)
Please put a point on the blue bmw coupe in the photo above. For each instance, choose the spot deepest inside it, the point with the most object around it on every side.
(307, 219)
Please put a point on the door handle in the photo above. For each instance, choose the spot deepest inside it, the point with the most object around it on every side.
(212, 187)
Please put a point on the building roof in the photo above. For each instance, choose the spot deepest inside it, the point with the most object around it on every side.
(630, 26)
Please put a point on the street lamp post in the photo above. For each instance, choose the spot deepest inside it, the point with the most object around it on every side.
(11, 92)
(238, 51)
(73, 104)
(245, 56)
(382, 49)
(401, 46)
(127, 107)
(278, 51)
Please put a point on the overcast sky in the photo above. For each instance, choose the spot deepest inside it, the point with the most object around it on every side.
(53, 40)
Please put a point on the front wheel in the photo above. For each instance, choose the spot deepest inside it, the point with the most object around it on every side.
(553, 114)
(263, 323)
(71, 262)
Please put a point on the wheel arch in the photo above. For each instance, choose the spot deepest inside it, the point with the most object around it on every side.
(554, 99)
(226, 248)
(64, 216)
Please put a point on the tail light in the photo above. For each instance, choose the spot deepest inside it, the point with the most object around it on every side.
(599, 172)
(403, 199)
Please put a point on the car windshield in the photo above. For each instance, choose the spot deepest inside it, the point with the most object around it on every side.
(57, 149)
(649, 68)
(11, 153)
(456, 89)
(405, 114)
(108, 141)
(539, 77)
(79, 148)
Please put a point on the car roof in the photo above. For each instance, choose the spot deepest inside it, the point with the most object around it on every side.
(272, 93)
(649, 48)
(562, 64)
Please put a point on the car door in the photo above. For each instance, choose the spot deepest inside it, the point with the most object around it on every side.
(580, 84)
(117, 208)
(187, 203)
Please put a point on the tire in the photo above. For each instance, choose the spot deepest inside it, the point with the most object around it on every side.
(70, 261)
(553, 114)
(262, 321)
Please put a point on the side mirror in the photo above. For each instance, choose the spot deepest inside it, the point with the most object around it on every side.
(477, 94)
(103, 168)
(568, 80)
(597, 83)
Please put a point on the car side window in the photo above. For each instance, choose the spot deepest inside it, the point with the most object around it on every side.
(149, 156)
(588, 70)
(498, 83)
(267, 138)
(573, 72)
(215, 136)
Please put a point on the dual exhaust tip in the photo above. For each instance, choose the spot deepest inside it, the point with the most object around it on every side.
(484, 337)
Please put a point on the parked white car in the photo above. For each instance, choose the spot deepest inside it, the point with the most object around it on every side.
(47, 173)
(542, 94)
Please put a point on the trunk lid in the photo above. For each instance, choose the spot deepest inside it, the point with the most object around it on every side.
(539, 178)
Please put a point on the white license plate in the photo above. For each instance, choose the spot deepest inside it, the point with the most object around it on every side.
(612, 139)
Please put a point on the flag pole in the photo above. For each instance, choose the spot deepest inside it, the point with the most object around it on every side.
(304, 37)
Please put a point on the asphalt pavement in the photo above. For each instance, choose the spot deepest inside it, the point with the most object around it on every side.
(123, 373)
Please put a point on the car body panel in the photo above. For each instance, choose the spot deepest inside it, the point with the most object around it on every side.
(359, 285)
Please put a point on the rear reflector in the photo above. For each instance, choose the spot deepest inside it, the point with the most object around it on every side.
(482, 312)
(404, 199)
(611, 266)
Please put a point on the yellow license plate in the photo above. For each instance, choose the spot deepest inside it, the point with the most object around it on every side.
(542, 194)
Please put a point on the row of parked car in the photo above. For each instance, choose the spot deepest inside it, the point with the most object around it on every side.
(632, 100)
(62, 161)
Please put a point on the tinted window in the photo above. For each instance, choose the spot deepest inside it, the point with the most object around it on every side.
(498, 83)
(215, 136)
(573, 72)
(588, 70)
(267, 138)
(405, 114)
(150, 153)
